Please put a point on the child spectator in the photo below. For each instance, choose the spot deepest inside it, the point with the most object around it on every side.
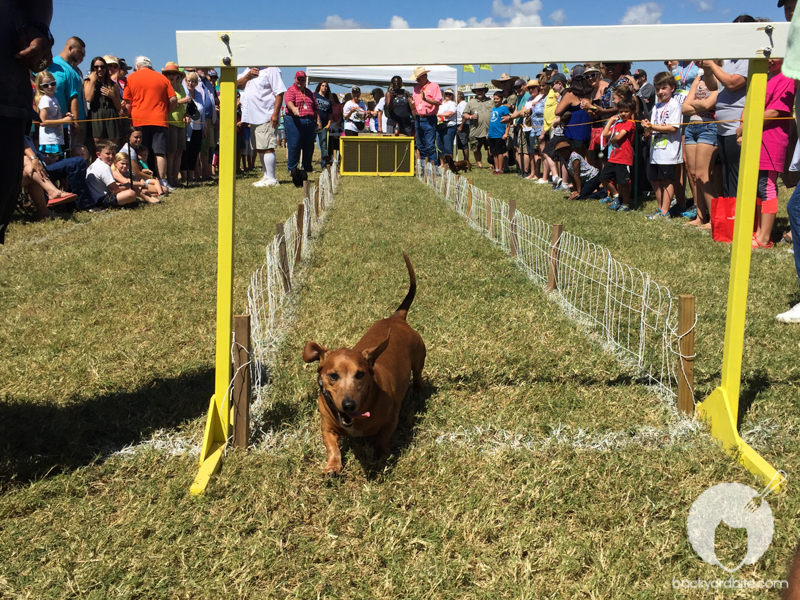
(498, 132)
(81, 151)
(774, 141)
(51, 130)
(101, 182)
(618, 136)
(585, 177)
(664, 133)
(121, 174)
(145, 172)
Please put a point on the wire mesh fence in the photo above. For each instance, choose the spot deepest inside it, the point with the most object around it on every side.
(268, 293)
(633, 316)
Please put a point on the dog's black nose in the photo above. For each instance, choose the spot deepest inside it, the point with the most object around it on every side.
(348, 405)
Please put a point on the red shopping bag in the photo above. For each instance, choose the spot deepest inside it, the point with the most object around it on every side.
(723, 216)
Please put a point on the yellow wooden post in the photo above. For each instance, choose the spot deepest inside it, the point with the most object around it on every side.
(219, 417)
(721, 408)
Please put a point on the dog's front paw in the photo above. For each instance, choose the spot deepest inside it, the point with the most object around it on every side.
(333, 469)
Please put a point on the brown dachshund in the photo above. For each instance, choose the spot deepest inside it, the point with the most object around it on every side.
(455, 167)
(361, 388)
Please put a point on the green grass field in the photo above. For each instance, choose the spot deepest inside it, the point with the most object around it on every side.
(496, 488)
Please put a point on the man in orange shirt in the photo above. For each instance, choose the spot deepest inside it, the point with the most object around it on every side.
(149, 97)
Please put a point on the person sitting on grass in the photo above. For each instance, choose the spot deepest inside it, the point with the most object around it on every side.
(663, 130)
(498, 132)
(618, 136)
(585, 177)
(122, 172)
(154, 185)
(105, 189)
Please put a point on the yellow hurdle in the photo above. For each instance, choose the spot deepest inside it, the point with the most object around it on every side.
(218, 422)
(721, 408)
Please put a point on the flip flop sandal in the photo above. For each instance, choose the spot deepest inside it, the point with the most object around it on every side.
(787, 237)
(62, 200)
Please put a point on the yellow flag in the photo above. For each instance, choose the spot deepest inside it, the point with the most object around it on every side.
(469, 69)
(564, 68)
(485, 67)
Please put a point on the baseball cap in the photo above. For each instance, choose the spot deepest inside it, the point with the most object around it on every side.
(578, 70)
(520, 82)
(212, 73)
(300, 74)
(123, 65)
(551, 67)
(557, 77)
(781, 3)
(355, 89)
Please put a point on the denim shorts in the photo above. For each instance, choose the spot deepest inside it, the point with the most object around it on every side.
(699, 133)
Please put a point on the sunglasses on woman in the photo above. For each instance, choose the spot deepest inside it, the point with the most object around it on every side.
(99, 67)
(592, 75)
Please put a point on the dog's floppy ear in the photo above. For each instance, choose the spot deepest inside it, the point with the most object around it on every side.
(372, 354)
(313, 352)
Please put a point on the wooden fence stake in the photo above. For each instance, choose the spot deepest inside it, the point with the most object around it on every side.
(316, 201)
(686, 319)
(241, 381)
(306, 189)
(489, 216)
(512, 227)
(552, 270)
(283, 258)
(301, 220)
(469, 198)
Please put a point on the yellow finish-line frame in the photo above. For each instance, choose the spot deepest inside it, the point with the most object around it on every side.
(346, 141)
(230, 50)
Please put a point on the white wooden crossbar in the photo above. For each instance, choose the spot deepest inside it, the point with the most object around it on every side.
(366, 47)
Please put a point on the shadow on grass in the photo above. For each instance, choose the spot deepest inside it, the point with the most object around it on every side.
(751, 387)
(37, 440)
(412, 413)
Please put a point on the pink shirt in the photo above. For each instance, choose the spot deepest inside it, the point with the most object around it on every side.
(432, 92)
(304, 101)
(775, 139)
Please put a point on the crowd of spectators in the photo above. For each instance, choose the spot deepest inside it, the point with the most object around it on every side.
(598, 132)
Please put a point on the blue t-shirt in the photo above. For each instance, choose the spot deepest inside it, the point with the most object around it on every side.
(69, 84)
(496, 128)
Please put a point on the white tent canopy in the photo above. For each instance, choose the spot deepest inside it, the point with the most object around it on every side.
(379, 76)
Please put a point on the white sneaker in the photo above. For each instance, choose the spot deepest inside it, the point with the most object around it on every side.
(790, 316)
(261, 182)
(272, 183)
(540, 181)
(563, 187)
(557, 180)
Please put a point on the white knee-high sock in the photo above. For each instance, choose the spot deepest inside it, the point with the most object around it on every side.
(269, 164)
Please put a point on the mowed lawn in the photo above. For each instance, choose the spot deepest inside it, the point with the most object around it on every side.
(494, 489)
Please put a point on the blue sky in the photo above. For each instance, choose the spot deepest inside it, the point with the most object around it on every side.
(148, 26)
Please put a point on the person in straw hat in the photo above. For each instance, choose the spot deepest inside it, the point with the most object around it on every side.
(427, 97)
(477, 113)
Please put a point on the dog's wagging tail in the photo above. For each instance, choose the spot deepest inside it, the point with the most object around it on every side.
(402, 310)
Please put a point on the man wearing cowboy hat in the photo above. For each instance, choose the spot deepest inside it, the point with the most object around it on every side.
(478, 113)
(427, 97)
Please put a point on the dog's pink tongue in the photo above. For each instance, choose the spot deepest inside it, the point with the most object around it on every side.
(360, 415)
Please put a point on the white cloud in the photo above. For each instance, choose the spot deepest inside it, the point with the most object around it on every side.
(398, 23)
(516, 14)
(451, 23)
(646, 13)
(558, 16)
(702, 5)
(337, 22)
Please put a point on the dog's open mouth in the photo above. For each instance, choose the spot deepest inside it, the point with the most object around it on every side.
(348, 418)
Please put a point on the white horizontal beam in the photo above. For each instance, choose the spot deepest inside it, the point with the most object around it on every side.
(368, 47)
